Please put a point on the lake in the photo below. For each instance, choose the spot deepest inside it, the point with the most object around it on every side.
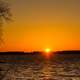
(34, 67)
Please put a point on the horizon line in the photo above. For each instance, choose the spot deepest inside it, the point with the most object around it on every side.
(40, 51)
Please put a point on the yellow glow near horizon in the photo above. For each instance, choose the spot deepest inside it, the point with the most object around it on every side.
(47, 53)
(47, 50)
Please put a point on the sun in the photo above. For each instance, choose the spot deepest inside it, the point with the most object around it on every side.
(47, 53)
(47, 50)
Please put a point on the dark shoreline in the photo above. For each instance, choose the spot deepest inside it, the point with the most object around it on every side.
(38, 57)
(37, 52)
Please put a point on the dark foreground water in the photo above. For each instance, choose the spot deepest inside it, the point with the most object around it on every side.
(46, 70)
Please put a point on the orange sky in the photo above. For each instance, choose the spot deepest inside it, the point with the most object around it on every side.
(40, 24)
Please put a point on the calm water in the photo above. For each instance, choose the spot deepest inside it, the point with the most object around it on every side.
(46, 70)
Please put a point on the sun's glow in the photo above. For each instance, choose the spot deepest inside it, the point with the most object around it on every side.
(47, 50)
(47, 53)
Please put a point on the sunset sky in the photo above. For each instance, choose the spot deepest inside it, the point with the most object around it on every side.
(41, 24)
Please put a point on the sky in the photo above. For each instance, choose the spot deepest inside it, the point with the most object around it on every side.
(41, 24)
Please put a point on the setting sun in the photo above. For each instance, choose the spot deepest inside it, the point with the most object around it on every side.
(47, 53)
(47, 50)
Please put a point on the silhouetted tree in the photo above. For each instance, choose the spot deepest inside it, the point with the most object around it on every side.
(5, 15)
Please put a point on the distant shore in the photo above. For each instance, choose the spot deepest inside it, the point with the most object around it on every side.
(38, 57)
(37, 52)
